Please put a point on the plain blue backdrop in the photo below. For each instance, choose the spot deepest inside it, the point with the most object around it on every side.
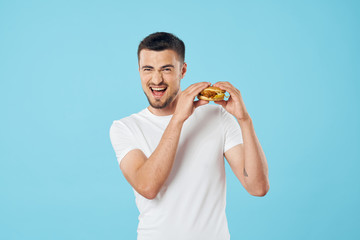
(69, 68)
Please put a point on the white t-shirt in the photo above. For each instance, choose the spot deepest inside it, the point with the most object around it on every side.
(191, 203)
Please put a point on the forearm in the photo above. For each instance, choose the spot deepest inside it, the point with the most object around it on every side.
(154, 172)
(256, 168)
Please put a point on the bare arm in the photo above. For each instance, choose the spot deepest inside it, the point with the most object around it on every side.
(247, 160)
(147, 175)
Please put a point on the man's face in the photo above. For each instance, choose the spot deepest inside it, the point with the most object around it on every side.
(160, 73)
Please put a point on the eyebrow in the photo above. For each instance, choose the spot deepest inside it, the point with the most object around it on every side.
(146, 66)
(162, 67)
(168, 65)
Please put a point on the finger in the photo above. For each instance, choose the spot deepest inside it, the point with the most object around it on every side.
(227, 87)
(196, 88)
(222, 103)
(201, 85)
(222, 86)
(200, 103)
(224, 83)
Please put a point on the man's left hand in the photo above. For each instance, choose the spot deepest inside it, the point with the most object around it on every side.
(235, 104)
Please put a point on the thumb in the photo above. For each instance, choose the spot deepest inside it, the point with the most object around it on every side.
(222, 103)
(200, 103)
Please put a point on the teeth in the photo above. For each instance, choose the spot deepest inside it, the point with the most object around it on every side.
(158, 89)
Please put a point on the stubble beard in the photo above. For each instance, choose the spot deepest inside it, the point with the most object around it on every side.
(158, 105)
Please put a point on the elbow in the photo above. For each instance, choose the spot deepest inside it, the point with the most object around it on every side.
(260, 191)
(149, 195)
(147, 192)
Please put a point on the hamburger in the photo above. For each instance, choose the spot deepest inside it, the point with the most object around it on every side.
(212, 94)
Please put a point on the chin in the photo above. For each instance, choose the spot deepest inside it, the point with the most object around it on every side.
(159, 104)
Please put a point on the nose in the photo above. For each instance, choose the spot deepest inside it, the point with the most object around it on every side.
(157, 78)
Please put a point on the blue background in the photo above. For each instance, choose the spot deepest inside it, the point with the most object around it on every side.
(64, 66)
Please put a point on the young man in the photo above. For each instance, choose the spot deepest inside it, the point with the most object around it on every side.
(172, 152)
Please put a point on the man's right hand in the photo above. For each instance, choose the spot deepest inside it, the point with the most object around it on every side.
(186, 104)
(147, 175)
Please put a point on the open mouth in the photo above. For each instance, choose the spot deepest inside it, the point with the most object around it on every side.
(158, 92)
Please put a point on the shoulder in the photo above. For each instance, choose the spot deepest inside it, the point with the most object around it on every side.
(129, 119)
(126, 123)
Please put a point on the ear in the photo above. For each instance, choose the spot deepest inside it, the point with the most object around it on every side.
(183, 70)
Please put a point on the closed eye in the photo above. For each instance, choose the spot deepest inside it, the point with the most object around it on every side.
(167, 68)
(147, 68)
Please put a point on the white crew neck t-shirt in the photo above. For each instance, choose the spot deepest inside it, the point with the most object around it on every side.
(191, 203)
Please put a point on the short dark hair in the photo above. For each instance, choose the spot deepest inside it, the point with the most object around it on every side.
(160, 41)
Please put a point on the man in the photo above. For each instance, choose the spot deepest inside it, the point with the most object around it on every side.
(172, 152)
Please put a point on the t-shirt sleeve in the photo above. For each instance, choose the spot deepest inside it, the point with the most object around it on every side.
(122, 139)
(232, 130)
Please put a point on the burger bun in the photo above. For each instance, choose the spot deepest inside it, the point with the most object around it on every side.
(212, 94)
